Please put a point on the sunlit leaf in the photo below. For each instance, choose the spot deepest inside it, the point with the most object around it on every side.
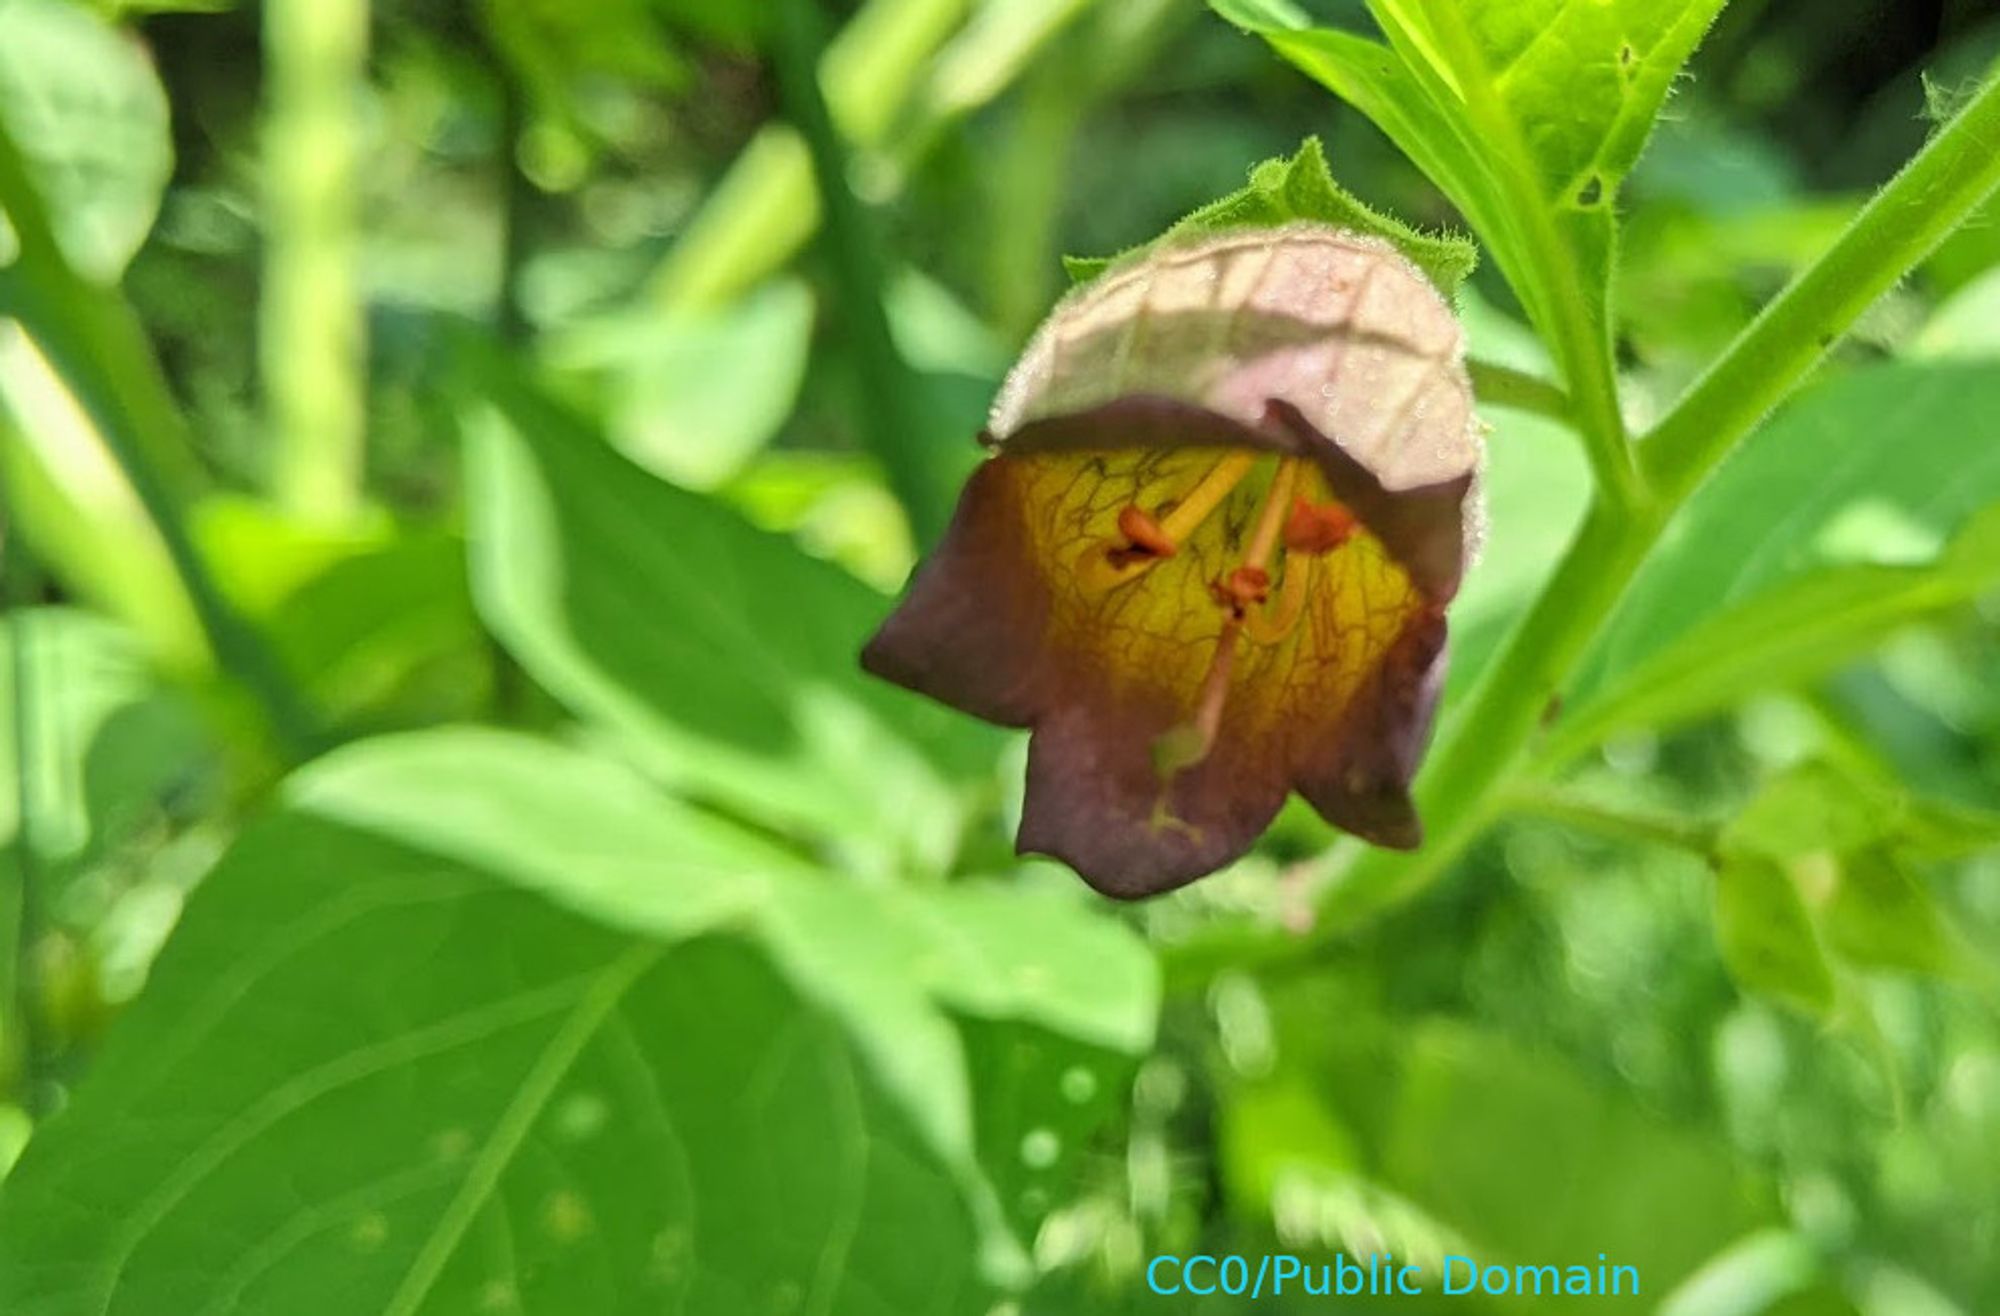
(84, 104)
(693, 397)
(1743, 595)
(720, 655)
(666, 1061)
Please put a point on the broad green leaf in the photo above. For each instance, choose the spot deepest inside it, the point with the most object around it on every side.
(1812, 809)
(1284, 191)
(722, 656)
(366, 1078)
(86, 107)
(895, 963)
(675, 1062)
(1744, 593)
(1767, 937)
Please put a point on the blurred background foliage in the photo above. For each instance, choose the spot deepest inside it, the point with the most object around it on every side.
(452, 454)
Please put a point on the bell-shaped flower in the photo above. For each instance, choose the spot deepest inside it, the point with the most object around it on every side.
(1231, 493)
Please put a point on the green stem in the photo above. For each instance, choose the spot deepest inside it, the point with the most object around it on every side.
(922, 471)
(312, 337)
(1946, 181)
(1504, 386)
(96, 344)
(1614, 822)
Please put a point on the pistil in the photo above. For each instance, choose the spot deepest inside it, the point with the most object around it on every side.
(1240, 592)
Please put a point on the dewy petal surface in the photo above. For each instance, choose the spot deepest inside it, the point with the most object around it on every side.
(1181, 680)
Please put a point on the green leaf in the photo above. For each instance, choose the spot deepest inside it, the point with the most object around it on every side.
(692, 397)
(372, 623)
(1881, 917)
(574, 1044)
(721, 656)
(68, 499)
(105, 743)
(1767, 937)
(1812, 809)
(1285, 191)
(497, 1105)
(1506, 1147)
(89, 112)
(1741, 596)
(1845, 841)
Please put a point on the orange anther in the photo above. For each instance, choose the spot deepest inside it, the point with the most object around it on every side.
(1318, 528)
(1144, 534)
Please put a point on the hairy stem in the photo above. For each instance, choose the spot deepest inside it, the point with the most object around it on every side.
(1945, 182)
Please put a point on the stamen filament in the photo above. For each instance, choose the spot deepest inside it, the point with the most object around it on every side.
(1106, 567)
(1205, 497)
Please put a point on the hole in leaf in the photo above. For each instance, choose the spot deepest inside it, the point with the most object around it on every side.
(1627, 56)
(1591, 192)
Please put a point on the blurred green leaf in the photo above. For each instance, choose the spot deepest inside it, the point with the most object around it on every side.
(693, 397)
(1872, 532)
(1510, 1147)
(106, 743)
(1966, 325)
(559, 50)
(1812, 809)
(721, 655)
(1767, 936)
(1284, 191)
(360, 613)
(67, 497)
(90, 114)
(1844, 844)
(1880, 917)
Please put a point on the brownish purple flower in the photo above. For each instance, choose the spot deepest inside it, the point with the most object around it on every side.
(1208, 561)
